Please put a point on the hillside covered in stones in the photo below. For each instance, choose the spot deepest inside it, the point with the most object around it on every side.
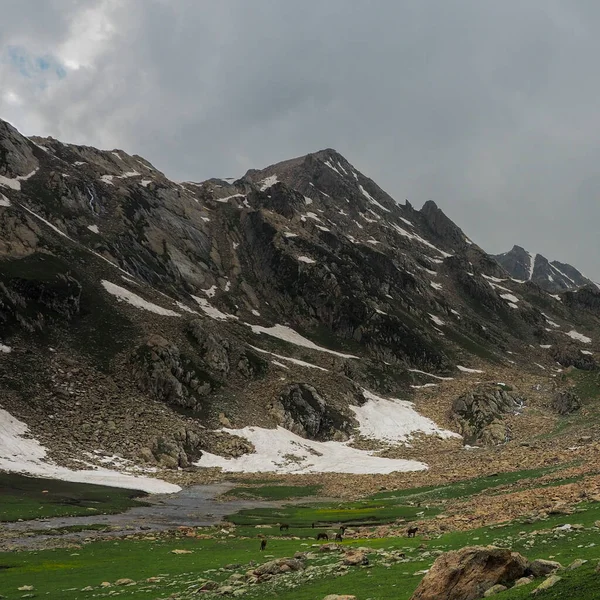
(146, 319)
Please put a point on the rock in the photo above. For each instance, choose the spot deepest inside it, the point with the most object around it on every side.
(124, 582)
(548, 583)
(339, 597)
(541, 567)
(523, 581)
(106, 584)
(467, 573)
(355, 558)
(303, 411)
(226, 590)
(577, 563)
(495, 589)
(88, 588)
(479, 414)
(177, 551)
(330, 548)
(565, 402)
(280, 565)
(208, 586)
(25, 588)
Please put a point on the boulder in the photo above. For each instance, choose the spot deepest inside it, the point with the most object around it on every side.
(548, 583)
(495, 589)
(468, 573)
(355, 558)
(541, 567)
(523, 581)
(578, 562)
(565, 402)
(339, 597)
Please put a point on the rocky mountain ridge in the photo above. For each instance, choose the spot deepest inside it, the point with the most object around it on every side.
(552, 276)
(139, 316)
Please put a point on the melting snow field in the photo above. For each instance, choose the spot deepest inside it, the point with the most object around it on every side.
(289, 335)
(4, 201)
(282, 451)
(393, 420)
(579, 336)
(135, 300)
(20, 453)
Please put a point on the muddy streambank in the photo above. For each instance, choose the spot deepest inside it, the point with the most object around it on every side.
(195, 506)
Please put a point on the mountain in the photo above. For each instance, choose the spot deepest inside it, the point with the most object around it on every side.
(146, 320)
(552, 276)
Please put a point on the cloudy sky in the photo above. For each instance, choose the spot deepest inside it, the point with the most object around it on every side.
(490, 108)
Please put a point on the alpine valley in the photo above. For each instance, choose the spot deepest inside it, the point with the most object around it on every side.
(297, 322)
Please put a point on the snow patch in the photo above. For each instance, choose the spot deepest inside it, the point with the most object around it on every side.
(122, 294)
(93, 228)
(5, 349)
(393, 420)
(108, 179)
(267, 182)
(295, 361)
(4, 201)
(579, 337)
(509, 298)
(289, 234)
(145, 182)
(21, 453)
(425, 385)
(211, 291)
(279, 450)
(371, 199)
(308, 201)
(550, 322)
(305, 259)
(418, 238)
(436, 320)
(287, 334)
(587, 352)
(211, 311)
(440, 377)
(227, 198)
(467, 370)
(435, 286)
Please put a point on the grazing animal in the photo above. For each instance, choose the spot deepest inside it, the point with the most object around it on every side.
(342, 529)
(322, 536)
(313, 525)
(412, 531)
(283, 527)
(263, 545)
(339, 537)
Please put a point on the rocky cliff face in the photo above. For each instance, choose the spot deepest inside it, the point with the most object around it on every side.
(552, 276)
(266, 301)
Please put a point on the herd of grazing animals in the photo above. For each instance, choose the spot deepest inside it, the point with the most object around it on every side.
(339, 536)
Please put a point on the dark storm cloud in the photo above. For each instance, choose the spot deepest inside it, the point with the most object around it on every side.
(489, 108)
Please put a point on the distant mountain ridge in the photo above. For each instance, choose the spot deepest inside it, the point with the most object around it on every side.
(553, 276)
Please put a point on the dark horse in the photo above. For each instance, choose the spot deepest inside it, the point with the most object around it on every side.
(339, 537)
(322, 536)
(284, 527)
(263, 545)
(412, 531)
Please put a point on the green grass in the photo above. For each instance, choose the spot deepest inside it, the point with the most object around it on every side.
(28, 498)
(273, 492)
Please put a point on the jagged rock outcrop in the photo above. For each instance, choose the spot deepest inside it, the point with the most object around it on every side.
(302, 410)
(552, 276)
(468, 573)
(480, 413)
(570, 355)
(565, 402)
(160, 369)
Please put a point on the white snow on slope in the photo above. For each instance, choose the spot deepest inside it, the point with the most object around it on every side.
(295, 361)
(436, 320)
(431, 375)
(425, 385)
(579, 337)
(53, 227)
(211, 311)
(332, 167)
(145, 182)
(393, 420)
(129, 174)
(550, 322)
(587, 352)
(107, 179)
(4, 201)
(561, 273)
(435, 286)
(5, 349)
(211, 291)
(267, 182)
(371, 199)
(293, 337)
(122, 294)
(20, 453)
(306, 260)
(282, 451)
(418, 238)
(289, 234)
(227, 198)
(531, 264)
(467, 370)
(93, 228)
(509, 298)
(15, 184)
(310, 215)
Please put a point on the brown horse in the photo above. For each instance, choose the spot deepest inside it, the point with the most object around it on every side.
(322, 536)
(412, 531)
(284, 527)
(263, 545)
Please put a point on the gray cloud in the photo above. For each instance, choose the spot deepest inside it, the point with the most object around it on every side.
(489, 108)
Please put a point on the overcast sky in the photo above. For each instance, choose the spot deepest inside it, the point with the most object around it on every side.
(490, 108)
